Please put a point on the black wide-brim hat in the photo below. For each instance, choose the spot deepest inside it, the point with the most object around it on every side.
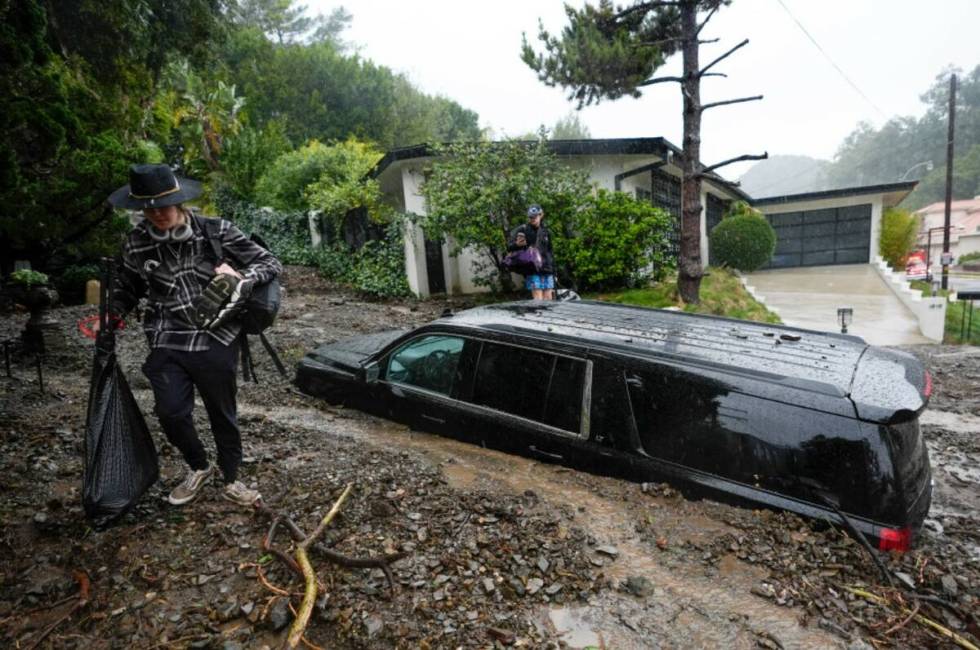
(154, 186)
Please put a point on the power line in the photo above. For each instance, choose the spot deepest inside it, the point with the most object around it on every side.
(827, 56)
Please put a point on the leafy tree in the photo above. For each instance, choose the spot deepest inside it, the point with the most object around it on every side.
(249, 154)
(869, 156)
(570, 127)
(477, 192)
(330, 28)
(202, 115)
(344, 183)
(282, 19)
(966, 180)
(606, 52)
(615, 241)
(321, 93)
(327, 177)
(744, 239)
(899, 229)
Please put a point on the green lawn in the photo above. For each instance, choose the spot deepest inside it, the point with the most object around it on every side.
(955, 313)
(722, 294)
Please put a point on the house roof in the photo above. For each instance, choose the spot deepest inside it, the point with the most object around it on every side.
(902, 188)
(965, 205)
(609, 146)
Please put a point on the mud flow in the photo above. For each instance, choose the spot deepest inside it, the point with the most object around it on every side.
(500, 550)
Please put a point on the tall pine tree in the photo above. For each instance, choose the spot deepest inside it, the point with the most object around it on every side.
(606, 52)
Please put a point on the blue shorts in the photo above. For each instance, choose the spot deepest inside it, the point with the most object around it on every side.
(539, 282)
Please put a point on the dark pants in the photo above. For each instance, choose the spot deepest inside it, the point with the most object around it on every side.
(174, 374)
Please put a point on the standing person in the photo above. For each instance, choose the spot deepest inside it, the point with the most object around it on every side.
(168, 260)
(534, 233)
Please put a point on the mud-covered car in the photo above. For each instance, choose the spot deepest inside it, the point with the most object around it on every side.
(819, 424)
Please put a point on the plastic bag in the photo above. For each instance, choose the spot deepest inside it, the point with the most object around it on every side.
(526, 261)
(120, 457)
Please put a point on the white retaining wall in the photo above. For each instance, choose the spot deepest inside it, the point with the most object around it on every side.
(930, 311)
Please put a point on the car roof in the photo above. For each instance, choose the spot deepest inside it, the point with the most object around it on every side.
(773, 352)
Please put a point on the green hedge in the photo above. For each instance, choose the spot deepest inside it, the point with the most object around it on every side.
(743, 240)
(377, 269)
(899, 229)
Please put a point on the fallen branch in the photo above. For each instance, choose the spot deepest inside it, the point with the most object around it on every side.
(302, 559)
(928, 622)
(905, 621)
(83, 592)
(301, 566)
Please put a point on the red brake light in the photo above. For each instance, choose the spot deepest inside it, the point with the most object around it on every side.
(928, 389)
(895, 539)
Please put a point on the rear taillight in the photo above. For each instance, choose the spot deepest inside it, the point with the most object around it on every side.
(895, 539)
(928, 389)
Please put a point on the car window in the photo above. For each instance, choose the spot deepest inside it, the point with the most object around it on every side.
(531, 384)
(429, 362)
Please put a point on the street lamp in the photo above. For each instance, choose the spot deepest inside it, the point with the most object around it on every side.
(927, 163)
(844, 316)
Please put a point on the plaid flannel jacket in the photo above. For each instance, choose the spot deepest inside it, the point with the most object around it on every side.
(171, 275)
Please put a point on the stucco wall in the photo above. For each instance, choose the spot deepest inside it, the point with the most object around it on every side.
(418, 278)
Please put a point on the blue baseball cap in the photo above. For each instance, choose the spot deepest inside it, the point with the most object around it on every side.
(535, 210)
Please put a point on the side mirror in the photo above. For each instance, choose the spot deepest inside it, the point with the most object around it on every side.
(370, 373)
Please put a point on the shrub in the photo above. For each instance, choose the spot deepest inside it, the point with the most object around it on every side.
(613, 241)
(897, 239)
(743, 240)
(377, 269)
(970, 257)
(287, 232)
(327, 177)
(29, 278)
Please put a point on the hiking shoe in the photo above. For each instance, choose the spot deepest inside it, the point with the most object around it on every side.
(237, 493)
(190, 486)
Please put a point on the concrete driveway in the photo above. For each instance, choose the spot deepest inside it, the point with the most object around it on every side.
(809, 297)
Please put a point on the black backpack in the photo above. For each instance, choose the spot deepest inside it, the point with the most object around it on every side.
(262, 306)
(260, 309)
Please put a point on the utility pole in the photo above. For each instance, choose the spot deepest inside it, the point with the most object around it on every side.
(949, 179)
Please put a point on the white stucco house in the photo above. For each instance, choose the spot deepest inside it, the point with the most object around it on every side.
(964, 232)
(834, 227)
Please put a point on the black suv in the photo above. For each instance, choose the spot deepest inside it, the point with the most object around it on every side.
(819, 424)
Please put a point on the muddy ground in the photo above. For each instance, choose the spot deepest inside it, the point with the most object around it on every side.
(499, 550)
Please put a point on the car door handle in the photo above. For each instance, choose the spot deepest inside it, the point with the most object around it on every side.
(546, 454)
(434, 419)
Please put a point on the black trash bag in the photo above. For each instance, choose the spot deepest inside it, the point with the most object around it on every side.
(120, 457)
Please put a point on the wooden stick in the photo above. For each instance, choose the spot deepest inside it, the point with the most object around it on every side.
(928, 622)
(302, 559)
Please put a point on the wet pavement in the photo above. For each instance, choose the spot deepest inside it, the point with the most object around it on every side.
(809, 298)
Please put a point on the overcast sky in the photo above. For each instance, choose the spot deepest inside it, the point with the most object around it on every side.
(891, 49)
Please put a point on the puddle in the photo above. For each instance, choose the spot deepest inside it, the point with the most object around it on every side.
(959, 422)
(722, 603)
(571, 625)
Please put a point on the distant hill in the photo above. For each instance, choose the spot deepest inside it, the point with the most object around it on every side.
(781, 175)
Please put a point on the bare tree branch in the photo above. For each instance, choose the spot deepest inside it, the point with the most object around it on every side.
(754, 98)
(723, 57)
(707, 170)
(705, 21)
(708, 40)
(650, 82)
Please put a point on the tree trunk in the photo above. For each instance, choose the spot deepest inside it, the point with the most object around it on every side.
(689, 265)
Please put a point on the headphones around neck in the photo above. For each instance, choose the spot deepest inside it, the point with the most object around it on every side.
(179, 233)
